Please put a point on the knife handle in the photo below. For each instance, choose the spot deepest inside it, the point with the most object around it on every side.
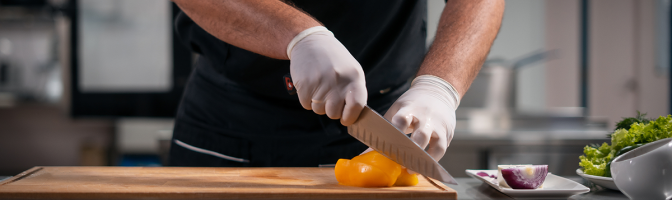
(289, 85)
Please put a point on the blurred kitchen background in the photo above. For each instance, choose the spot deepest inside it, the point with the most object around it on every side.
(96, 82)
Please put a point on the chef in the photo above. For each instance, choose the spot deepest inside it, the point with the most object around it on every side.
(342, 55)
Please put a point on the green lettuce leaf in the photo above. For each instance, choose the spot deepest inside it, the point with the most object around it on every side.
(594, 161)
(621, 139)
(591, 168)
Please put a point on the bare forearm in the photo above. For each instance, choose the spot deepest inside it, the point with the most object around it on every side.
(466, 31)
(262, 26)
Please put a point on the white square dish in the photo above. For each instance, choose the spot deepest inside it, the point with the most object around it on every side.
(554, 186)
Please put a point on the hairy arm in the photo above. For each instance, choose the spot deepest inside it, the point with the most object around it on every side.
(262, 26)
(466, 31)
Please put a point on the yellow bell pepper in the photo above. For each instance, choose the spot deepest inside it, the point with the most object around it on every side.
(406, 179)
(372, 169)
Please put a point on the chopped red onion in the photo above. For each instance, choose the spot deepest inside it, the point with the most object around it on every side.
(525, 177)
(483, 174)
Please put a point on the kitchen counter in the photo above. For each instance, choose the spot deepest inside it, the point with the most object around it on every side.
(470, 188)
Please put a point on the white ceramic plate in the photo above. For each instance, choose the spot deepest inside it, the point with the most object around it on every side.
(606, 182)
(554, 186)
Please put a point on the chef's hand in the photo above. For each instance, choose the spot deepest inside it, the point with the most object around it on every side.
(427, 110)
(327, 78)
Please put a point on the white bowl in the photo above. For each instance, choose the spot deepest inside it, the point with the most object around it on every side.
(606, 182)
(645, 172)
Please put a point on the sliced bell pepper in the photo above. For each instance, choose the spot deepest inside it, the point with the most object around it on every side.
(406, 179)
(372, 170)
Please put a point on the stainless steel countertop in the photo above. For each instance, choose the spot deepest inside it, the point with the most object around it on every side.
(485, 125)
(531, 135)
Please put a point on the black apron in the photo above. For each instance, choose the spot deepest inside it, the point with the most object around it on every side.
(236, 112)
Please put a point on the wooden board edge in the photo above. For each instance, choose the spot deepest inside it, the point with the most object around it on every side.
(21, 175)
(439, 185)
(210, 195)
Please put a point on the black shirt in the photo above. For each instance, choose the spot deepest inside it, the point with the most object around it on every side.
(236, 103)
(386, 37)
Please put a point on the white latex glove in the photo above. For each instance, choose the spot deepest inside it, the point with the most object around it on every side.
(427, 110)
(327, 78)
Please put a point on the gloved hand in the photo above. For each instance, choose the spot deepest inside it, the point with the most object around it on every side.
(327, 78)
(427, 110)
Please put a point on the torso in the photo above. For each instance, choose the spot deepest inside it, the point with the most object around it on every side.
(238, 94)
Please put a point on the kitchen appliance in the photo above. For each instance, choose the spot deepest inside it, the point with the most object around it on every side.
(490, 103)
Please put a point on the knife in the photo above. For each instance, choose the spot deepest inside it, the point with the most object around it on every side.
(376, 132)
(379, 134)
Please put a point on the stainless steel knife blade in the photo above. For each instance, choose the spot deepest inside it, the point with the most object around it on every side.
(379, 134)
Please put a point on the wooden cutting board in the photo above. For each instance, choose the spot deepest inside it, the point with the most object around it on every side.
(201, 183)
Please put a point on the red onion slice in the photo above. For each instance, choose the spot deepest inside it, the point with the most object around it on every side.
(525, 177)
(483, 174)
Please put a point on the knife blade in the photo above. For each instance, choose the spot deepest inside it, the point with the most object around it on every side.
(379, 134)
